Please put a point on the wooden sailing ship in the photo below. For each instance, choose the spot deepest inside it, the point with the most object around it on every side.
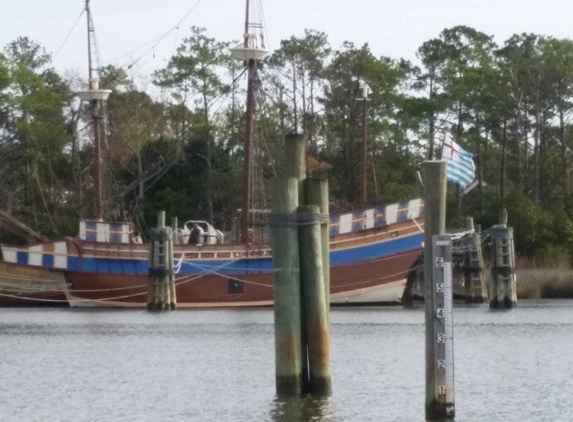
(371, 251)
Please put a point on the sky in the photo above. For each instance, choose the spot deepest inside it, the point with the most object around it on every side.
(145, 33)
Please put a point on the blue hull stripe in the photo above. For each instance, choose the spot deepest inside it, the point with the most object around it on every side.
(241, 266)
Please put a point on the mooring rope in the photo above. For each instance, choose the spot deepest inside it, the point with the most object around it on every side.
(27, 298)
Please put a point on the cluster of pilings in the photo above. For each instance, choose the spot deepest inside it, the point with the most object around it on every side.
(300, 245)
(161, 281)
(475, 287)
(503, 285)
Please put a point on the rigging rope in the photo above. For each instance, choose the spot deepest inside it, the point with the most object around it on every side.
(159, 38)
(69, 33)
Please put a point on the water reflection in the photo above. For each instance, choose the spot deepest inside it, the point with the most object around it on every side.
(301, 409)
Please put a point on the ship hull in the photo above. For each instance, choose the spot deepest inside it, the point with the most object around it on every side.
(28, 286)
(371, 255)
(358, 283)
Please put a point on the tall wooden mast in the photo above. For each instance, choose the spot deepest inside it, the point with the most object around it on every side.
(365, 90)
(95, 97)
(90, 28)
(251, 52)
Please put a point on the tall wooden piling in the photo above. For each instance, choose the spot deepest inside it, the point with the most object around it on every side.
(175, 239)
(161, 280)
(295, 166)
(316, 193)
(314, 302)
(295, 158)
(503, 289)
(287, 290)
(434, 179)
(177, 235)
(475, 287)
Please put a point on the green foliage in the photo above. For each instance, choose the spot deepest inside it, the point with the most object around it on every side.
(297, 68)
(34, 135)
(510, 105)
(544, 234)
(193, 70)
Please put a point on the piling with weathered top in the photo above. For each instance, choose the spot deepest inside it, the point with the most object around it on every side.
(295, 159)
(161, 279)
(316, 193)
(295, 166)
(434, 179)
(474, 280)
(287, 290)
(314, 301)
(503, 289)
(301, 262)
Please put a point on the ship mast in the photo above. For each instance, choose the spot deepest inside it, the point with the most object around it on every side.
(90, 27)
(251, 52)
(96, 97)
(365, 90)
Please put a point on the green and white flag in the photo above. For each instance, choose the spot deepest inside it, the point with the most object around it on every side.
(460, 169)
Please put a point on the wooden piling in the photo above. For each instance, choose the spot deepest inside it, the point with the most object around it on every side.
(175, 239)
(314, 302)
(287, 291)
(316, 193)
(295, 156)
(176, 233)
(475, 288)
(503, 290)
(171, 286)
(295, 166)
(434, 179)
(295, 161)
(161, 278)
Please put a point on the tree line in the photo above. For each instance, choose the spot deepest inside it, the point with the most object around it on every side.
(181, 151)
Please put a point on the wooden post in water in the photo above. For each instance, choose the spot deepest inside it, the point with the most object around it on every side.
(295, 161)
(316, 192)
(503, 280)
(176, 234)
(475, 288)
(161, 278)
(301, 277)
(287, 290)
(314, 301)
(295, 166)
(434, 179)
(172, 290)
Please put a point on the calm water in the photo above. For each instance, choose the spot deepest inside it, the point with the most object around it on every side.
(63, 365)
